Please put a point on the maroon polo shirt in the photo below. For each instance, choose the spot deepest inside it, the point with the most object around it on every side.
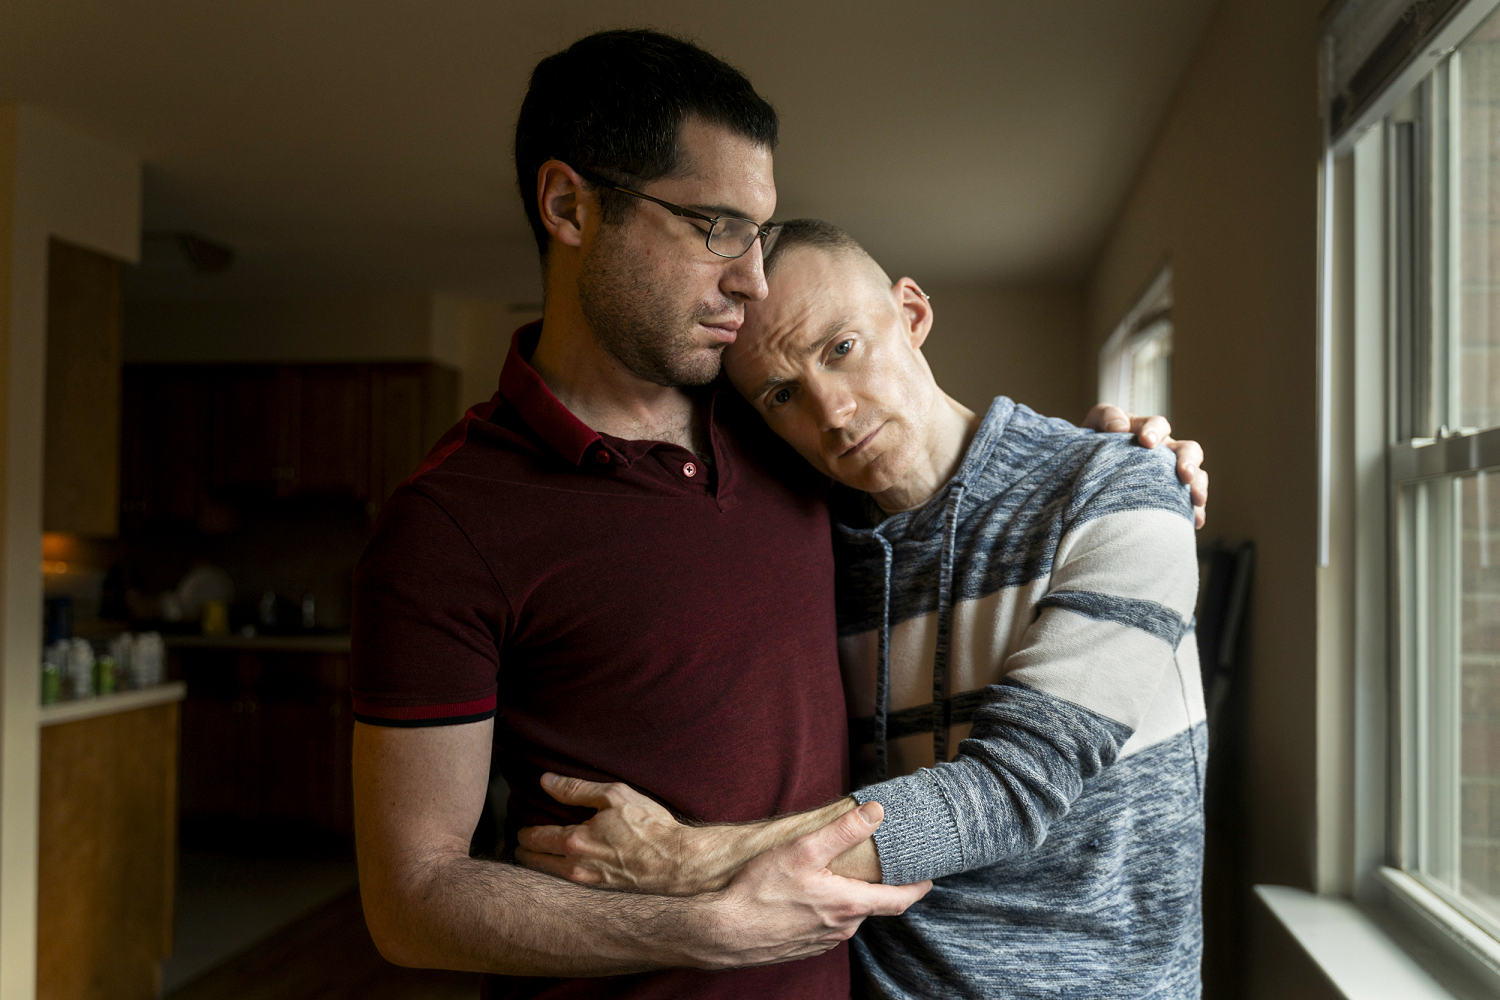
(626, 614)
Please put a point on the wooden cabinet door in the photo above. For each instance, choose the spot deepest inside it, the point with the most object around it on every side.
(306, 735)
(106, 856)
(411, 406)
(164, 442)
(398, 433)
(266, 742)
(251, 448)
(331, 432)
(81, 473)
(264, 432)
(220, 730)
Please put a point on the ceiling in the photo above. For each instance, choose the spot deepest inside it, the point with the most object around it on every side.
(340, 143)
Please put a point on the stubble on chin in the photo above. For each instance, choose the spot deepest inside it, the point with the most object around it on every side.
(633, 323)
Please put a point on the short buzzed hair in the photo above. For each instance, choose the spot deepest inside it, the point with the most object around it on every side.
(819, 235)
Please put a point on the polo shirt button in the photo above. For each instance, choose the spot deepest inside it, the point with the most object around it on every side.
(689, 469)
(601, 456)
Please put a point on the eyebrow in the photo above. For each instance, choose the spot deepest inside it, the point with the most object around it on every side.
(723, 210)
(830, 331)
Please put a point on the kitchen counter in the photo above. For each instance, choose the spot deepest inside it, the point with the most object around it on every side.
(110, 704)
(337, 642)
(107, 836)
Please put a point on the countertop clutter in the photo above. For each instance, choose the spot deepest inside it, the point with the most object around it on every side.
(75, 667)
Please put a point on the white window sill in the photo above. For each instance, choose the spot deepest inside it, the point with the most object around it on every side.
(1365, 953)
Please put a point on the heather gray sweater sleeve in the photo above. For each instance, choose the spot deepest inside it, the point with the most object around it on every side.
(1024, 765)
(1073, 692)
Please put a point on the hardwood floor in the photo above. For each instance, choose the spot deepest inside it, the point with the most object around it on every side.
(327, 955)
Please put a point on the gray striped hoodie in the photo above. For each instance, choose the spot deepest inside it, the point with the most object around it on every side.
(1018, 653)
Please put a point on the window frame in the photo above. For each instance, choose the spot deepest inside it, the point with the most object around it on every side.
(1145, 324)
(1389, 302)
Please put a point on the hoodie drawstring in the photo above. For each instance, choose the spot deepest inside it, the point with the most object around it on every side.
(940, 700)
(883, 666)
(942, 704)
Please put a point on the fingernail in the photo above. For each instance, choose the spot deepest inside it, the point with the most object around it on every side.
(871, 812)
(549, 779)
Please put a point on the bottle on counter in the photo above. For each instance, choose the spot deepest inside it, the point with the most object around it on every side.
(54, 664)
(148, 659)
(119, 650)
(81, 667)
(215, 619)
(266, 611)
(104, 675)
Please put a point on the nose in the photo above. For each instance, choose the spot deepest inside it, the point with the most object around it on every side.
(832, 406)
(745, 276)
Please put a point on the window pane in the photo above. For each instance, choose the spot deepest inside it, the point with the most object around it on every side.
(1451, 592)
(1476, 220)
(1479, 686)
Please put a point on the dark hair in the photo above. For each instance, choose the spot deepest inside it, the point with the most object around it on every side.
(615, 102)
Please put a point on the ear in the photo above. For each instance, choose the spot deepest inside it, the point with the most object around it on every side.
(559, 196)
(916, 309)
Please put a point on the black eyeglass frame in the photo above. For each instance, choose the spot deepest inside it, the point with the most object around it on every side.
(765, 233)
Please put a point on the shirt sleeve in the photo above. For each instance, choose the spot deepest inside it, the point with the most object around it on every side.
(427, 620)
(1108, 634)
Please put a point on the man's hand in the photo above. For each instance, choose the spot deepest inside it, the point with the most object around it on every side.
(785, 904)
(1150, 432)
(631, 842)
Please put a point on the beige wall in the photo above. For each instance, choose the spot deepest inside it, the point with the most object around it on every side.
(53, 182)
(483, 332)
(1228, 196)
(1022, 342)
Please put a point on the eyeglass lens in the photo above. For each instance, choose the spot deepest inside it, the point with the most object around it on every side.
(731, 237)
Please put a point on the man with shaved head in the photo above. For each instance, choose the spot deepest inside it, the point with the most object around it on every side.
(1015, 599)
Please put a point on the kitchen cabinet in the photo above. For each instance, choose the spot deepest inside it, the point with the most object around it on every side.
(284, 431)
(107, 841)
(328, 448)
(248, 427)
(201, 435)
(266, 740)
(414, 405)
(81, 471)
(164, 443)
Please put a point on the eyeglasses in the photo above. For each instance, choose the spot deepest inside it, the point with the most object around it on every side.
(728, 235)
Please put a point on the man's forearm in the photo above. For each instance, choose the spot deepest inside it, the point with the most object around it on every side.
(429, 904)
(478, 915)
(634, 843)
(718, 851)
(481, 915)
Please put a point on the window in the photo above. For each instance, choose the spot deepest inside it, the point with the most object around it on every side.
(1135, 364)
(1422, 156)
(1444, 148)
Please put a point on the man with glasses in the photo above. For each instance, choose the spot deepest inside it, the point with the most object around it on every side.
(612, 570)
(605, 570)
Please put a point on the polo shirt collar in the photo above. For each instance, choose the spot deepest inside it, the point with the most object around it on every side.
(544, 413)
(572, 439)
